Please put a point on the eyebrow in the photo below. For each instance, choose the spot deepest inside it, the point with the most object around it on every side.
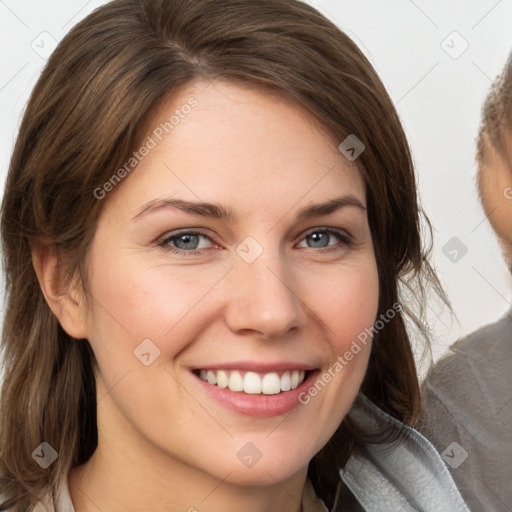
(217, 211)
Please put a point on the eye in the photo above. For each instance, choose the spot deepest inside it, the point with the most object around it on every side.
(321, 238)
(186, 242)
(194, 242)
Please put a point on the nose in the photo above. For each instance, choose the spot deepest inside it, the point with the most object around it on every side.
(261, 298)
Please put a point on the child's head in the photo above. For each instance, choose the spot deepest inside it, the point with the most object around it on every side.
(494, 159)
(147, 107)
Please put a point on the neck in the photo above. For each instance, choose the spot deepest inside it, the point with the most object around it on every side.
(98, 486)
(143, 477)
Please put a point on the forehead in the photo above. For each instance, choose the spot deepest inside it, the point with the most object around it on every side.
(240, 142)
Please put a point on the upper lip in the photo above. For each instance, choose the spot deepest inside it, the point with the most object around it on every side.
(258, 367)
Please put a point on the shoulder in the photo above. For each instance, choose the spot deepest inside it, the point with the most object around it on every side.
(45, 505)
(467, 413)
(491, 343)
(62, 500)
(394, 475)
(474, 373)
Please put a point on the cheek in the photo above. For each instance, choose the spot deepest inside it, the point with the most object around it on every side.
(347, 303)
(133, 302)
(349, 311)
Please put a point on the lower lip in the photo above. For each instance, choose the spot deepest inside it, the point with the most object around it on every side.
(261, 406)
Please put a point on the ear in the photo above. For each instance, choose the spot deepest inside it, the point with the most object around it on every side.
(65, 299)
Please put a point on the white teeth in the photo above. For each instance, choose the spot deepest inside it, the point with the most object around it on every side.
(222, 379)
(254, 383)
(271, 384)
(235, 382)
(286, 382)
(295, 379)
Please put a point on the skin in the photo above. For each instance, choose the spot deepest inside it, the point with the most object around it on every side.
(162, 440)
(495, 187)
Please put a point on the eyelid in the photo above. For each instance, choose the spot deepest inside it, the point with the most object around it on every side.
(342, 233)
(184, 231)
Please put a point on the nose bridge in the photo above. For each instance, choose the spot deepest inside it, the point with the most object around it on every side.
(261, 296)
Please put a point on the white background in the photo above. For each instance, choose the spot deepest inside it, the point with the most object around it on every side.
(438, 98)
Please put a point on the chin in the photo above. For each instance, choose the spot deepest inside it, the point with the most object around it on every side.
(264, 474)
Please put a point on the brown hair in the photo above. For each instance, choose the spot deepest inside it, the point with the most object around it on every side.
(84, 119)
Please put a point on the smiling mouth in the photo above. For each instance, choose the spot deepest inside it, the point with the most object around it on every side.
(253, 383)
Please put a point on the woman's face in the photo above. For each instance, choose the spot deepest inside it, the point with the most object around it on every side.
(237, 251)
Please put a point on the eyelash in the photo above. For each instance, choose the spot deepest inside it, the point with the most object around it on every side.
(344, 237)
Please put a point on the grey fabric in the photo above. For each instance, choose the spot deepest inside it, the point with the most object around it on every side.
(468, 401)
(404, 475)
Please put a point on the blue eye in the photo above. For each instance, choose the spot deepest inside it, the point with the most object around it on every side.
(322, 238)
(189, 242)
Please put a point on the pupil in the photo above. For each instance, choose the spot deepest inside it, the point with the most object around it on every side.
(319, 239)
(189, 242)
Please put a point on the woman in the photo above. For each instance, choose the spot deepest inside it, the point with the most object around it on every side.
(208, 212)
